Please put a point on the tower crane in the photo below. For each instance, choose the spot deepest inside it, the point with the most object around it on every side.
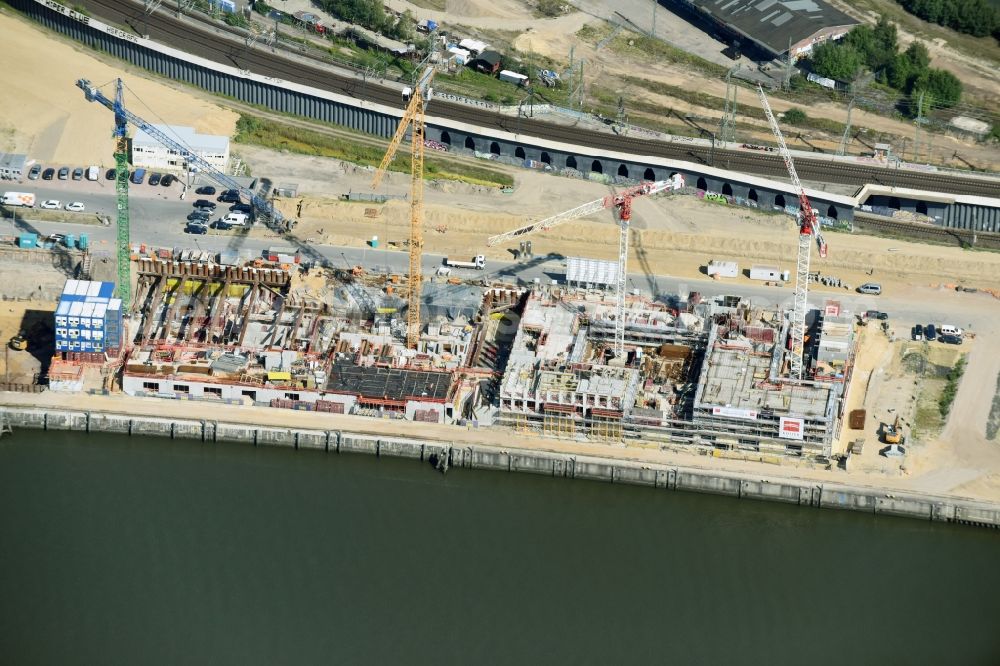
(622, 203)
(808, 227)
(413, 117)
(123, 117)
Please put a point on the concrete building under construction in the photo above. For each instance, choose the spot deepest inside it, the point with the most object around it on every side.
(711, 374)
(704, 373)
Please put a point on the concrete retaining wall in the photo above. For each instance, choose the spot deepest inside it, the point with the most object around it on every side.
(789, 491)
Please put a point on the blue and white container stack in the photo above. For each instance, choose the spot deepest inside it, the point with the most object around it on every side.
(88, 318)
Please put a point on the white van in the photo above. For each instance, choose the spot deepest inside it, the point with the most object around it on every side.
(948, 329)
(237, 219)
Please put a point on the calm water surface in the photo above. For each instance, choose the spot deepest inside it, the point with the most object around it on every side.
(146, 551)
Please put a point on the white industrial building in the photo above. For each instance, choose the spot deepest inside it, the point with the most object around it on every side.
(149, 153)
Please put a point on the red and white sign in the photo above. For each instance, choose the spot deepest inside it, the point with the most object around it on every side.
(790, 428)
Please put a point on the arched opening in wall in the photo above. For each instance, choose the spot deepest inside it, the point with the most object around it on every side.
(895, 203)
(831, 212)
(779, 200)
(649, 174)
(702, 184)
(752, 195)
(623, 171)
(921, 207)
(495, 148)
(519, 153)
(571, 162)
(596, 167)
(727, 189)
(545, 158)
(445, 137)
(470, 143)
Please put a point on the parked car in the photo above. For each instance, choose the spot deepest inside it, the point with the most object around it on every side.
(63, 173)
(52, 204)
(48, 174)
(35, 172)
(154, 179)
(198, 215)
(241, 208)
(930, 332)
(872, 288)
(221, 225)
(55, 238)
(204, 203)
(78, 173)
(951, 339)
(75, 206)
(196, 228)
(110, 175)
(205, 189)
(230, 196)
(168, 180)
(918, 332)
(877, 314)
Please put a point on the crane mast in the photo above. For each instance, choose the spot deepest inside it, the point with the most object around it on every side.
(622, 203)
(412, 117)
(808, 226)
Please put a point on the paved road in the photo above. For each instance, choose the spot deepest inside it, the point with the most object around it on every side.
(158, 218)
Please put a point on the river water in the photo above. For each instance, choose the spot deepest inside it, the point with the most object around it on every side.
(148, 551)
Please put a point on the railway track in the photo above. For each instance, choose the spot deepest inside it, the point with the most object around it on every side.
(202, 40)
(926, 232)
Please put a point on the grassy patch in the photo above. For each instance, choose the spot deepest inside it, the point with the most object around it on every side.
(993, 420)
(278, 136)
(951, 388)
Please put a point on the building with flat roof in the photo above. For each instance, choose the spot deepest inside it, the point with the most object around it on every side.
(149, 153)
(773, 26)
(12, 165)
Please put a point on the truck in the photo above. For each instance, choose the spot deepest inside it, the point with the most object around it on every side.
(478, 262)
(93, 172)
(26, 199)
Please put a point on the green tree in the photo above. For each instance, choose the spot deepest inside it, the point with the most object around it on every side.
(943, 86)
(836, 61)
(794, 116)
(899, 72)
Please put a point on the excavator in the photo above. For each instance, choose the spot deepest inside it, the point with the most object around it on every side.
(892, 434)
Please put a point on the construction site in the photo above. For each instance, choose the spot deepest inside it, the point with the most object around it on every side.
(582, 359)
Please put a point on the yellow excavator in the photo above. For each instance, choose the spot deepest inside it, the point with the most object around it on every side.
(892, 434)
(19, 342)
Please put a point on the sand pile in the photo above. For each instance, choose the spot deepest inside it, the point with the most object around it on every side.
(44, 114)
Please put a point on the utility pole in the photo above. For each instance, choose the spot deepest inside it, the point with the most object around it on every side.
(788, 67)
(842, 150)
(916, 133)
(727, 125)
(621, 120)
(652, 33)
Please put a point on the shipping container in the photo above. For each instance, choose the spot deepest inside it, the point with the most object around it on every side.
(762, 272)
(27, 240)
(723, 268)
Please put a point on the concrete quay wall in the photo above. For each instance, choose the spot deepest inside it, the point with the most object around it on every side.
(669, 477)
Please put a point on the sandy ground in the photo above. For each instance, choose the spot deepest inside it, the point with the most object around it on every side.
(44, 114)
